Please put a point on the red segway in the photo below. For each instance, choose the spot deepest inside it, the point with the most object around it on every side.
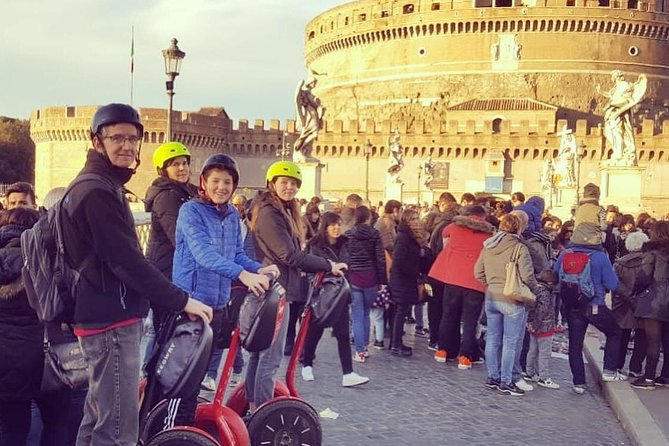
(284, 420)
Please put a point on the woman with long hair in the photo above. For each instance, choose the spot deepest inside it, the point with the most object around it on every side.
(329, 243)
(279, 234)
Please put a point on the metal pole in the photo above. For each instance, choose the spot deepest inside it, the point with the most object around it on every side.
(420, 171)
(283, 146)
(170, 94)
(367, 177)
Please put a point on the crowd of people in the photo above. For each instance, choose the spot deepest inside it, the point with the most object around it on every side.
(208, 247)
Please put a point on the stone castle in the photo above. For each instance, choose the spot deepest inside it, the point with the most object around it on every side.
(480, 88)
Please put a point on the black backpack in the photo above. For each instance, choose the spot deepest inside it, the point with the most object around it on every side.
(48, 278)
(260, 318)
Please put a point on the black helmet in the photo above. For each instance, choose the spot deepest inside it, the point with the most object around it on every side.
(115, 114)
(222, 161)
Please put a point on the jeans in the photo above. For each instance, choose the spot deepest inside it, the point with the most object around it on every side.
(638, 353)
(400, 313)
(506, 325)
(55, 418)
(340, 332)
(460, 305)
(520, 361)
(435, 306)
(418, 315)
(657, 334)
(262, 367)
(111, 410)
(216, 359)
(539, 356)
(363, 298)
(376, 314)
(602, 318)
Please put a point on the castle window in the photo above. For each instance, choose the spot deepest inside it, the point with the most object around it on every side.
(604, 3)
(38, 114)
(482, 3)
(504, 3)
(436, 6)
(385, 13)
(346, 21)
(361, 18)
(407, 9)
(312, 34)
(70, 112)
(497, 125)
(632, 4)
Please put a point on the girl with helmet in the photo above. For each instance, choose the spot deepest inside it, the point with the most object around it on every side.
(209, 256)
(279, 234)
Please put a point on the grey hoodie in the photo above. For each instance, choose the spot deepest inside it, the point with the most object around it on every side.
(490, 268)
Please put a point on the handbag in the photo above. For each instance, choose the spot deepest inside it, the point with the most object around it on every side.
(514, 286)
(64, 366)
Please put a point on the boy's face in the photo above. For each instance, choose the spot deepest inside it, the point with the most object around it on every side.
(18, 200)
(219, 186)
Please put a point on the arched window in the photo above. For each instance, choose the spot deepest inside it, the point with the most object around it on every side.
(497, 125)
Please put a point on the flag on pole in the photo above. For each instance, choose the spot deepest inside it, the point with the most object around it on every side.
(132, 52)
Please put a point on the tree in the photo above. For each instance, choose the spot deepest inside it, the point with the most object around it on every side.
(17, 151)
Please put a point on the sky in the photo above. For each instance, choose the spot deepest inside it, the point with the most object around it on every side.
(244, 55)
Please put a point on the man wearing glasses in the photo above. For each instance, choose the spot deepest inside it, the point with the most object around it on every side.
(116, 282)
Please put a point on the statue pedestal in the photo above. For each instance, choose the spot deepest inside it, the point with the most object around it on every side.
(393, 192)
(621, 185)
(311, 180)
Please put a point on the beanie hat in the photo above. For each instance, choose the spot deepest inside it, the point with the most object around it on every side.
(522, 216)
(635, 241)
(591, 190)
(586, 234)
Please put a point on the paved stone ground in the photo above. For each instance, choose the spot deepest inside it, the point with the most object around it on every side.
(417, 401)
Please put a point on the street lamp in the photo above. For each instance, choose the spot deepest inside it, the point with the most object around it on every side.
(173, 57)
(420, 172)
(368, 153)
(579, 156)
(284, 146)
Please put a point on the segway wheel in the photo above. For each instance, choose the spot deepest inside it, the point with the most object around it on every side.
(155, 421)
(178, 437)
(285, 422)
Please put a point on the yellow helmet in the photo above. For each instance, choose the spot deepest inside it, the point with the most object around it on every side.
(284, 169)
(168, 151)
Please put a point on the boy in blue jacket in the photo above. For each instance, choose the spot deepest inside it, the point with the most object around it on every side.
(210, 255)
(587, 239)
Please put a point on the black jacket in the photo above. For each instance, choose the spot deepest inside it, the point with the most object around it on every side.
(365, 251)
(337, 252)
(275, 244)
(409, 263)
(21, 355)
(118, 280)
(163, 199)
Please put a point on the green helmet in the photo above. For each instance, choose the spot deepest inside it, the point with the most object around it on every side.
(168, 151)
(284, 169)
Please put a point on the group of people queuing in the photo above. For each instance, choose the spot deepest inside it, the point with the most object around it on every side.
(208, 247)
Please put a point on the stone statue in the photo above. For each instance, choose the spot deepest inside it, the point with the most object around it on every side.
(310, 116)
(564, 167)
(547, 175)
(395, 159)
(428, 170)
(618, 129)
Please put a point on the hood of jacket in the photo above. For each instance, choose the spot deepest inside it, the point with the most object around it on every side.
(473, 223)
(361, 232)
(657, 245)
(500, 242)
(162, 184)
(8, 233)
(534, 208)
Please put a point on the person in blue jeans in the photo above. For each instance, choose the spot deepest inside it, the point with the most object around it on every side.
(367, 274)
(505, 316)
(587, 239)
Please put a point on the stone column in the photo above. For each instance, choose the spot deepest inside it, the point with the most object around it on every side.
(621, 185)
(311, 180)
(393, 192)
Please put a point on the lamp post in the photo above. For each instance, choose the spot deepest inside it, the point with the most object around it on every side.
(420, 172)
(173, 57)
(368, 153)
(579, 155)
(284, 147)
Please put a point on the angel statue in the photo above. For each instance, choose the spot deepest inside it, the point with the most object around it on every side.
(310, 114)
(547, 175)
(618, 129)
(396, 158)
(428, 171)
(564, 166)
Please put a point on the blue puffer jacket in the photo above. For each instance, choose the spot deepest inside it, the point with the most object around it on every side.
(209, 252)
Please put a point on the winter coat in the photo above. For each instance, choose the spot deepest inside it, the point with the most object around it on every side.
(337, 252)
(539, 246)
(436, 228)
(589, 211)
(387, 228)
(97, 222)
(653, 302)
(601, 270)
(490, 268)
(410, 262)
(534, 208)
(454, 265)
(210, 252)
(365, 251)
(163, 199)
(276, 244)
(541, 317)
(634, 270)
(21, 334)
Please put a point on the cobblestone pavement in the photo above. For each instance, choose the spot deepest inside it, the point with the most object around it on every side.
(417, 401)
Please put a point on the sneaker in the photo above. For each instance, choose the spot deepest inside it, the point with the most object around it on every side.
(422, 332)
(478, 361)
(208, 383)
(615, 376)
(579, 389)
(378, 345)
(633, 374)
(661, 381)
(548, 383)
(366, 353)
(524, 385)
(308, 373)
(432, 346)
(464, 363)
(643, 383)
(492, 384)
(359, 357)
(511, 389)
(410, 320)
(402, 350)
(440, 356)
(530, 378)
(353, 379)
(236, 378)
